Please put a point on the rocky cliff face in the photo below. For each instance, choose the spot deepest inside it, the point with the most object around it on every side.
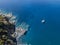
(6, 30)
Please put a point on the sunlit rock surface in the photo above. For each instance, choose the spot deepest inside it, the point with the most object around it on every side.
(9, 33)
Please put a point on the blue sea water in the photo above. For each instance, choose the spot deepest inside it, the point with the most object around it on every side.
(32, 13)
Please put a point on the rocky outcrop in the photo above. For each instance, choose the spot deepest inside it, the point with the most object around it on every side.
(6, 30)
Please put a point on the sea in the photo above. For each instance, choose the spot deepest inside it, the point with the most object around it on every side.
(33, 12)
